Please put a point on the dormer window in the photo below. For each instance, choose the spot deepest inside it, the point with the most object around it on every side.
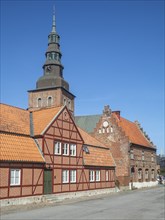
(39, 104)
(49, 101)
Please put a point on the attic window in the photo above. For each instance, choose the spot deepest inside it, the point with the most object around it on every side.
(85, 149)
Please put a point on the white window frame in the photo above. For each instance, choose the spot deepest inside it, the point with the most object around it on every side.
(65, 176)
(73, 176)
(91, 175)
(107, 175)
(97, 175)
(15, 177)
(57, 148)
(73, 149)
(65, 149)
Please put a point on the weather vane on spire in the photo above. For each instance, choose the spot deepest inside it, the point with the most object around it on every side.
(54, 20)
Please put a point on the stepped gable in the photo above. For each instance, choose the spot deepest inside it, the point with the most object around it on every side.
(133, 132)
(14, 120)
(97, 154)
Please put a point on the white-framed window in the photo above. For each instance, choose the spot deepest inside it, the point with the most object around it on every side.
(39, 102)
(111, 129)
(57, 148)
(107, 130)
(106, 175)
(91, 175)
(99, 130)
(49, 101)
(65, 149)
(131, 154)
(103, 130)
(73, 176)
(65, 176)
(72, 149)
(15, 177)
(97, 175)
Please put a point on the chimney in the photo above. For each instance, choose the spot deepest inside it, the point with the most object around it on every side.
(117, 113)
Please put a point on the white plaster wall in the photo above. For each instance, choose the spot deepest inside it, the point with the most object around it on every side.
(143, 184)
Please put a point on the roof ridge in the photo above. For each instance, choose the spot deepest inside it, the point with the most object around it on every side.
(14, 107)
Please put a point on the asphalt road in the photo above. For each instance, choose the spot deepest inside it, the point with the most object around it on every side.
(144, 204)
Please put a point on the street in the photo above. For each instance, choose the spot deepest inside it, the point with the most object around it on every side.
(144, 204)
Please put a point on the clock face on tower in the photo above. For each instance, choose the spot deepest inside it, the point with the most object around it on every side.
(105, 124)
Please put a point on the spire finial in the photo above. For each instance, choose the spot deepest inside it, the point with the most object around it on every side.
(54, 20)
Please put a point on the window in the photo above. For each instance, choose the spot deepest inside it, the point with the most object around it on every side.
(152, 174)
(65, 149)
(69, 104)
(103, 130)
(139, 174)
(65, 176)
(152, 157)
(91, 176)
(131, 154)
(107, 130)
(106, 175)
(99, 130)
(73, 176)
(49, 101)
(111, 129)
(14, 177)
(146, 174)
(39, 102)
(64, 101)
(57, 147)
(73, 150)
(97, 175)
(142, 155)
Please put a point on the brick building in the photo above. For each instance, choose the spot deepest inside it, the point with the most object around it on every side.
(132, 150)
(43, 150)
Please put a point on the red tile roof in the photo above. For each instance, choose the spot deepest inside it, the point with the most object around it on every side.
(43, 117)
(133, 132)
(19, 148)
(15, 120)
(99, 154)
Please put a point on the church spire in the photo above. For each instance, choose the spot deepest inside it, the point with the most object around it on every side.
(54, 21)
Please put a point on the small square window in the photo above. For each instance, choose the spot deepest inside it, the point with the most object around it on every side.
(14, 177)
(65, 176)
(65, 149)
(97, 175)
(57, 147)
(73, 176)
(72, 149)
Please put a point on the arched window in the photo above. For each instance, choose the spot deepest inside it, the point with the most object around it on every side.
(146, 174)
(152, 174)
(64, 101)
(139, 174)
(49, 101)
(111, 129)
(69, 104)
(39, 104)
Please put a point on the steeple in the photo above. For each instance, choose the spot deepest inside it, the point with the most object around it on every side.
(54, 21)
(51, 88)
(53, 69)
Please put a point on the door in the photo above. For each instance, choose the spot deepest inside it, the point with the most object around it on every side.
(47, 181)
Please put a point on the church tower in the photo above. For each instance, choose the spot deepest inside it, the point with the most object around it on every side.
(51, 88)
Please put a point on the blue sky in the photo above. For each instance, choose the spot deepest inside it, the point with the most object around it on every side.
(113, 54)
